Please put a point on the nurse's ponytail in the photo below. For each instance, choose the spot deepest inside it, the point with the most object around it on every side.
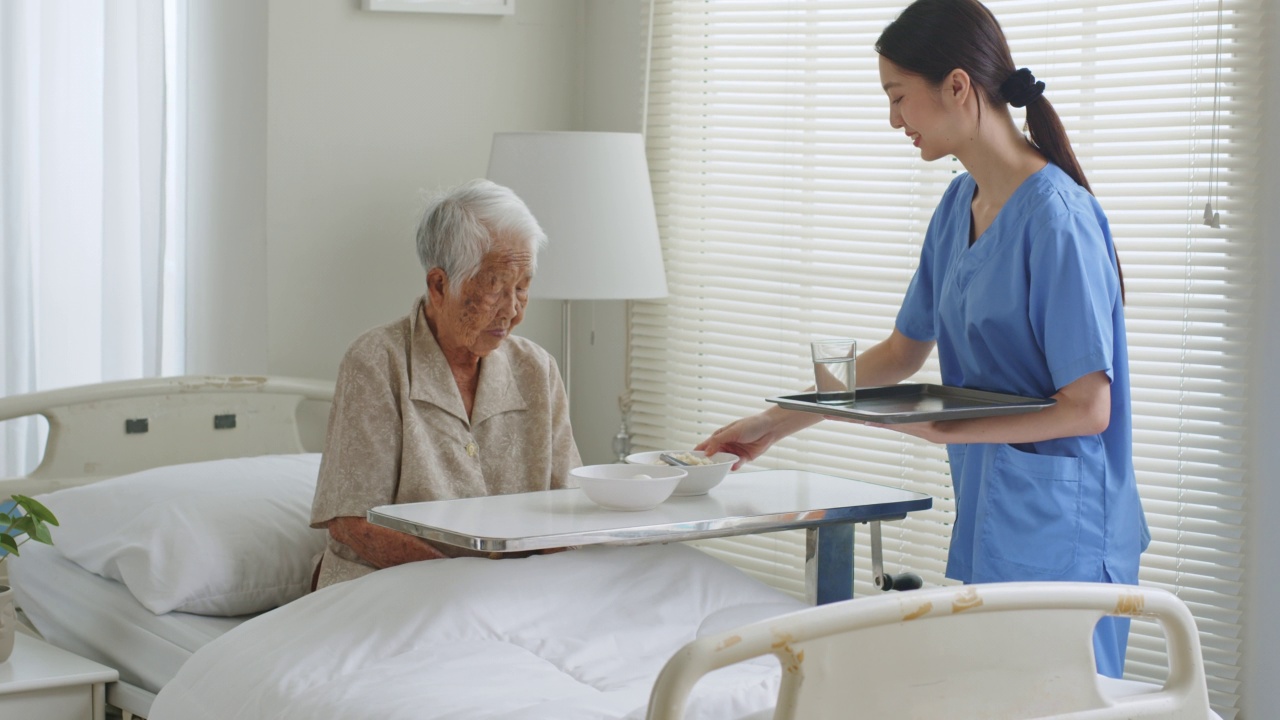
(1022, 90)
(933, 37)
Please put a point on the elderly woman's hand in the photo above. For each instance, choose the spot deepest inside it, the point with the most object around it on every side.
(379, 546)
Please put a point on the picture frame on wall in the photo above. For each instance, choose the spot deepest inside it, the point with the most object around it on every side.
(466, 7)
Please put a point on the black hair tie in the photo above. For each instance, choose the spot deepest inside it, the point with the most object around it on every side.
(1022, 88)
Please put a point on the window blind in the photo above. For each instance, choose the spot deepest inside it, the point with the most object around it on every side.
(790, 209)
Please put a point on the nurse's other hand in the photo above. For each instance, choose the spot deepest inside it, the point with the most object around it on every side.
(747, 438)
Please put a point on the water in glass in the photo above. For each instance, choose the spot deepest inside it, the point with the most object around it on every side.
(834, 379)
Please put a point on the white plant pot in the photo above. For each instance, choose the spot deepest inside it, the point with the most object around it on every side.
(8, 622)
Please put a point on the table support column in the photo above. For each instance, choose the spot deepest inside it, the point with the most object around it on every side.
(828, 563)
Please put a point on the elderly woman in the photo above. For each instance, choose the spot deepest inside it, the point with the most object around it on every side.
(444, 403)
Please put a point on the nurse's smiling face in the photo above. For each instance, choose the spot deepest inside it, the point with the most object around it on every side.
(920, 109)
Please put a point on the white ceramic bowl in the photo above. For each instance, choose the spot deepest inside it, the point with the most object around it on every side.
(701, 478)
(616, 487)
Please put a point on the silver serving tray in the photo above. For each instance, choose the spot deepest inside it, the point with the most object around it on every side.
(915, 403)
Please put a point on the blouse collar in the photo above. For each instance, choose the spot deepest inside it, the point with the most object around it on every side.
(430, 379)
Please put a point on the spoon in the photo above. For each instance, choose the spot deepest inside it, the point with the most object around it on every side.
(671, 460)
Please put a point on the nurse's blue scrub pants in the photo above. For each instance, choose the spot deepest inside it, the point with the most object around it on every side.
(1109, 641)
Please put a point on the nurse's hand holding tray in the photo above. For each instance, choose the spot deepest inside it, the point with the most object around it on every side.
(1019, 289)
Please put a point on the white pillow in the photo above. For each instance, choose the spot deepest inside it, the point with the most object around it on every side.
(223, 537)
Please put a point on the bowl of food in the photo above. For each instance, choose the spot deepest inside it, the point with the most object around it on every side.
(703, 473)
(627, 487)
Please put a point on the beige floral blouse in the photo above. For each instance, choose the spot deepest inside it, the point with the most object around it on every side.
(398, 432)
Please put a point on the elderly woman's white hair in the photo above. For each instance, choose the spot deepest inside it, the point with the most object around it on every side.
(459, 226)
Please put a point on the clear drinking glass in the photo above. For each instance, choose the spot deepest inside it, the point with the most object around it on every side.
(834, 369)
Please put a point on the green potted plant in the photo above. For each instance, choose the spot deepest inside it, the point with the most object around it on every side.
(21, 519)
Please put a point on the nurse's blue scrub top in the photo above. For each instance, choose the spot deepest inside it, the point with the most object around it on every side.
(1031, 306)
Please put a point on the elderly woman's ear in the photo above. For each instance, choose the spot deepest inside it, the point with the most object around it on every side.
(437, 285)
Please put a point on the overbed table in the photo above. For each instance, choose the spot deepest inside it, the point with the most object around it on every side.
(744, 503)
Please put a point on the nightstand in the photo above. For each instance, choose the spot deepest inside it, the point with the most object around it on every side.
(46, 682)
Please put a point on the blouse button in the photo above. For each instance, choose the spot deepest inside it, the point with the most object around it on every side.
(472, 450)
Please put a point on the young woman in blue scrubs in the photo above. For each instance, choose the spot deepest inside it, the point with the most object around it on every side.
(1020, 291)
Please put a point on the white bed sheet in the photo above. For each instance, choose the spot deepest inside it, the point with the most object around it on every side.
(576, 635)
(99, 619)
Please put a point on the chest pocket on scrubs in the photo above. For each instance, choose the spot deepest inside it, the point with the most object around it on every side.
(1032, 513)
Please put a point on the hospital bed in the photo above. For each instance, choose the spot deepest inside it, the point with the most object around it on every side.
(569, 635)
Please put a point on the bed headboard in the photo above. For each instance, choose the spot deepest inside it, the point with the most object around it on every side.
(114, 428)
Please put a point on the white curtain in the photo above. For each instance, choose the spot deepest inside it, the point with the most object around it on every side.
(90, 199)
(789, 209)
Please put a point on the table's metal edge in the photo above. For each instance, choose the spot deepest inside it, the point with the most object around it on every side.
(426, 533)
(722, 527)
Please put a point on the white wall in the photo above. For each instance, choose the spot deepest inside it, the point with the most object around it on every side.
(226, 187)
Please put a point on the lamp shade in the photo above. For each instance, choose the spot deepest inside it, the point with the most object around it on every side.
(590, 193)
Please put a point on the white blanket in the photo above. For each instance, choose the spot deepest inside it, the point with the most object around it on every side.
(574, 635)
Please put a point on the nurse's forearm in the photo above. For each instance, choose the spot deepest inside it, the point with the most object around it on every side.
(892, 360)
(1082, 408)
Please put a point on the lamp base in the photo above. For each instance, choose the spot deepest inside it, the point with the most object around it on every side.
(622, 443)
(566, 343)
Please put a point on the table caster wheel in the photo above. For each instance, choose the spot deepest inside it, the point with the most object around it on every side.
(904, 581)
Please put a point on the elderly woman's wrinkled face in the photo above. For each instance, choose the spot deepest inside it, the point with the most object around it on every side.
(480, 314)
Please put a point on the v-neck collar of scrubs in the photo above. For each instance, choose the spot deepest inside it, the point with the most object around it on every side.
(973, 255)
